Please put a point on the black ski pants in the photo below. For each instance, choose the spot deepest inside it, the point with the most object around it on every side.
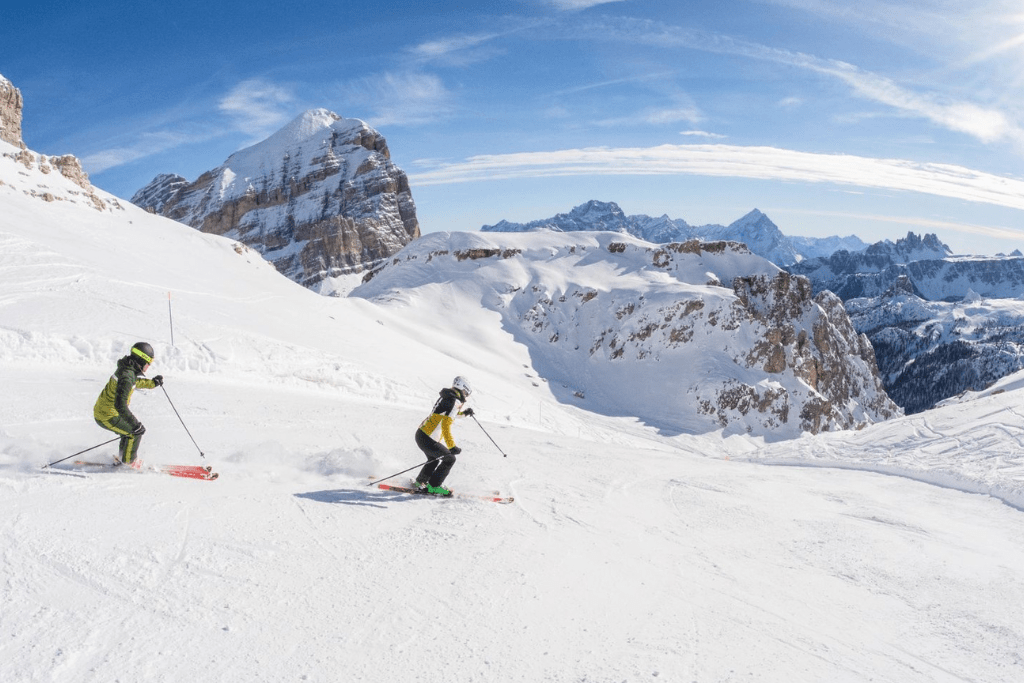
(440, 463)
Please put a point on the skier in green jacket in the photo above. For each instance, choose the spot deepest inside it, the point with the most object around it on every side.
(111, 410)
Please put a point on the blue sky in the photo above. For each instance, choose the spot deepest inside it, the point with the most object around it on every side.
(872, 118)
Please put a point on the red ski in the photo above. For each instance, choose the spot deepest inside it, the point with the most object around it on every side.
(419, 492)
(186, 471)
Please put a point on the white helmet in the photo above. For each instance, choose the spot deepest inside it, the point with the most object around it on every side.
(461, 384)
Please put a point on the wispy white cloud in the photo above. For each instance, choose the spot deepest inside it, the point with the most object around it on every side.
(397, 98)
(638, 78)
(993, 231)
(701, 134)
(254, 107)
(985, 123)
(655, 116)
(766, 163)
(258, 107)
(146, 145)
(572, 5)
(981, 29)
(459, 50)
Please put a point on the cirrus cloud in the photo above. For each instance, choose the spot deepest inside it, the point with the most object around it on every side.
(768, 163)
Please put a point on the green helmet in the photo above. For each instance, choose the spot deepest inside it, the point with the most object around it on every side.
(144, 351)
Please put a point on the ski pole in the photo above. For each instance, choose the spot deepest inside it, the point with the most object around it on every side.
(201, 454)
(80, 452)
(503, 453)
(402, 472)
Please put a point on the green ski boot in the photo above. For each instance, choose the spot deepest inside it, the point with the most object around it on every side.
(438, 490)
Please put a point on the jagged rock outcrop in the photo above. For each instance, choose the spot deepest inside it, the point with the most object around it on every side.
(70, 168)
(320, 198)
(814, 338)
(724, 339)
(162, 189)
(73, 186)
(10, 113)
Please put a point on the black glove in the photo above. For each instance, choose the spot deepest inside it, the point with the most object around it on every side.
(468, 412)
(454, 450)
(158, 380)
(139, 431)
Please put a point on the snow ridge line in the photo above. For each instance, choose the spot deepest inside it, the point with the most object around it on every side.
(1011, 497)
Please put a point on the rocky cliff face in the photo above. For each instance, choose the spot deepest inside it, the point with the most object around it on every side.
(319, 199)
(50, 178)
(725, 340)
(10, 113)
(813, 338)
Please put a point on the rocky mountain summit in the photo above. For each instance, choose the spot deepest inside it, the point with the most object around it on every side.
(755, 229)
(319, 198)
(720, 338)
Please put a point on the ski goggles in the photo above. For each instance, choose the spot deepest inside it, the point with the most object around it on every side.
(142, 355)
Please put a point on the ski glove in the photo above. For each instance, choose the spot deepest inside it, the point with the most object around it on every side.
(139, 431)
(158, 380)
(454, 450)
(468, 412)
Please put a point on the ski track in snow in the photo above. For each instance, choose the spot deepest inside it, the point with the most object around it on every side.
(975, 447)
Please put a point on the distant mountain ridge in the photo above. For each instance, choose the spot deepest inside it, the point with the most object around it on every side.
(922, 265)
(755, 229)
(928, 351)
(940, 324)
(319, 198)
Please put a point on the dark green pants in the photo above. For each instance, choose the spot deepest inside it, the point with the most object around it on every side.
(128, 449)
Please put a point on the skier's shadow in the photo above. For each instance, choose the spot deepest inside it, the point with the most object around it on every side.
(343, 497)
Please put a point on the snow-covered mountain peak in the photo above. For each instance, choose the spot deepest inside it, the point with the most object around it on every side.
(593, 215)
(320, 198)
(596, 213)
(307, 144)
(301, 128)
(911, 248)
(755, 219)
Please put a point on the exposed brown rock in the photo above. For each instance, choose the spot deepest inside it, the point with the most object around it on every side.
(10, 113)
(319, 199)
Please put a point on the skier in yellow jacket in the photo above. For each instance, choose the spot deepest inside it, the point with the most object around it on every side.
(111, 410)
(442, 456)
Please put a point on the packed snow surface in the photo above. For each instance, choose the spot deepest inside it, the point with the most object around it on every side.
(626, 556)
